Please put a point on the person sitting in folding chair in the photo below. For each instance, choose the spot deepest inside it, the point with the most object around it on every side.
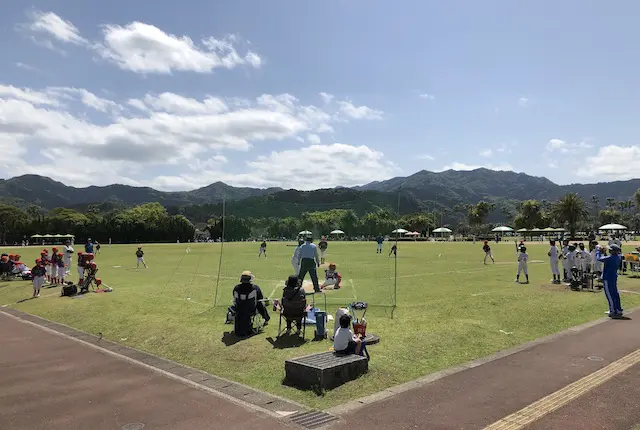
(293, 304)
(247, 301)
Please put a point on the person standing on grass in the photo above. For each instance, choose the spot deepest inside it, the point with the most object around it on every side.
(565, 263)
(263, 249)
(394, 250)
(80, 264)
(308, 261)
(88, 247)
(38, 272)
(553, 261)
(523, 258)
(140, 257)
(294, 260)
(611, 263)
(97, 247)
(380, 240)
(68, 253)
(60, 269)
(323, 245)
(487, 252)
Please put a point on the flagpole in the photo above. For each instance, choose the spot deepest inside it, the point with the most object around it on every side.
(215, 299)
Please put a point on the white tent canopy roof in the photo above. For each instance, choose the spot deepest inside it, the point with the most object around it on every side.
(400, 230)
(304, 233)
(442, 230)
(502, 228)
(612, 227)
(337, 232)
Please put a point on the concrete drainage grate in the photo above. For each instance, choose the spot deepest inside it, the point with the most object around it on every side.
(312, 419)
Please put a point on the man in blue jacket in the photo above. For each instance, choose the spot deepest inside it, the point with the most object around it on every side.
(610, 279)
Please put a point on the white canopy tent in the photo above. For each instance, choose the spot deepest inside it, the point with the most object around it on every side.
(442, 230)
(502, 229)
(337, 232)
(305, 233)
(400, 231)
(610, 227)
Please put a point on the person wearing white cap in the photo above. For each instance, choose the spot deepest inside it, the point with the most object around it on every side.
(247, 289)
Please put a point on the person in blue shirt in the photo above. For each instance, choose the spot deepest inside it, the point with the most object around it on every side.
(88, 247)
(379, 239)
(308, 261)
(611, 263)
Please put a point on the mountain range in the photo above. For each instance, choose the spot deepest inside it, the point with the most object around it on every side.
(423, 190)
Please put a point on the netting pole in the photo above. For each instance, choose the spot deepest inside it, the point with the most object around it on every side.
(224, 201)
(395, 258)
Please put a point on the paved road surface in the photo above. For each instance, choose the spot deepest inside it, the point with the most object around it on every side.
(49, 382)
(477, 397)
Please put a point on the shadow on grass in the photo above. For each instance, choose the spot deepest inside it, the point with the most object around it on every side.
(229, 338)
(287, 341)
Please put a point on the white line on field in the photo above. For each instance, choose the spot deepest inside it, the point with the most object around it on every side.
(274, 290)
(630, 292)
(353, 287)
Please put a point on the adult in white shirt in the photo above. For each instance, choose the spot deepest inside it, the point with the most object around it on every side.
(67, 256)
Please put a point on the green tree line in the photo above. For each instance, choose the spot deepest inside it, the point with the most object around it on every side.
(151, 222)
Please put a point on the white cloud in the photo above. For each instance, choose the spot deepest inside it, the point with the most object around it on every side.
(613, 163)
(303, 168)
(523, 102)
(486, 153)
(428, 96)
(27, 95)
(51, 24)
(177, 104)
(559, 145)
(24, 66)
(88, 98)
(326, 97)
(504, 148)
(313, 138)
(425, 157)
(307, 167)
(359, 112)
(161, 130)
(462, 166)
(144, 48)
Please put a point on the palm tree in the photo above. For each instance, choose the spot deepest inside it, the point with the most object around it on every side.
(570, 209)
(611, 202)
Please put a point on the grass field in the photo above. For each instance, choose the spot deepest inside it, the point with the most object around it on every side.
(450, 307)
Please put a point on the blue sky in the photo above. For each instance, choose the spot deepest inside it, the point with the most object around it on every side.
(176, 95)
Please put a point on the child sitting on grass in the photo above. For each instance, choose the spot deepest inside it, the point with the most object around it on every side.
(344, 341)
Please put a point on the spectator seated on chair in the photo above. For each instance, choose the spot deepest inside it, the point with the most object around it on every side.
(247, 301)
(294, 303)
(344, 341)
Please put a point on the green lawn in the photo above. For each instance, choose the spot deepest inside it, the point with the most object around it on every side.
(451, 308)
